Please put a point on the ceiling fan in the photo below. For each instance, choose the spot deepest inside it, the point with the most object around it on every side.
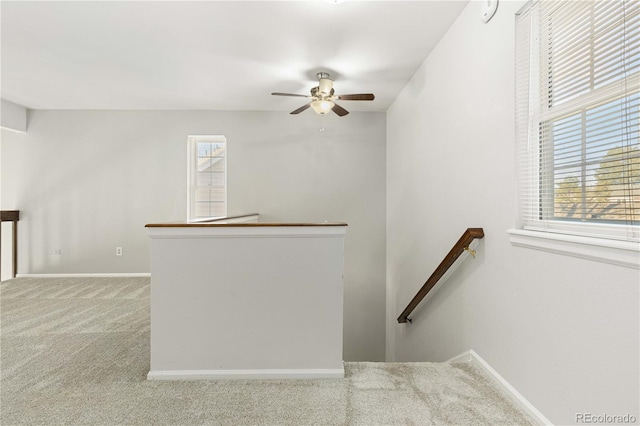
(323, 97)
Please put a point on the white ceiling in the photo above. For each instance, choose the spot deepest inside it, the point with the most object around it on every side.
(214, 55)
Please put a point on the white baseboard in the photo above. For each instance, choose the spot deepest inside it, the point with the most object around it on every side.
(472, 356)
(106, 275)
(337, 373)
(463, 357)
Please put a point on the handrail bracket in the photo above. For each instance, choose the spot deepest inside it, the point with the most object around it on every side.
(471, 251)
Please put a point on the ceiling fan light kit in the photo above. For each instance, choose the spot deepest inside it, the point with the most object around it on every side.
(322, 106)
(323, 96)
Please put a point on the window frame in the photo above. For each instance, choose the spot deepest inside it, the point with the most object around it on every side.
(538, 227)
(192, 175)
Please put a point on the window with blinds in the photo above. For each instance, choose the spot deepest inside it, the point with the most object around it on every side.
(577, 117)
(207, 177)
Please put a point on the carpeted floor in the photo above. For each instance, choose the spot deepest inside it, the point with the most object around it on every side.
(76, 351)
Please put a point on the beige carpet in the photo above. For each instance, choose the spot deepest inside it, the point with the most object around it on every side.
(76, 351)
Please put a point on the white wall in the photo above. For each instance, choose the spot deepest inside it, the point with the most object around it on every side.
(197, 330)
(13, 116)
(88, 181)
(562, 330)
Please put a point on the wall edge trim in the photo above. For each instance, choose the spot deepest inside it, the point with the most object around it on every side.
(252, 374)
(96, 275)
(523, 403)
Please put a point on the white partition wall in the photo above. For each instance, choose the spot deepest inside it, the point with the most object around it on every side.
(246, 301)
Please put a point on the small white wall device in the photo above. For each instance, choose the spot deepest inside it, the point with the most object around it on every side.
(488, 10)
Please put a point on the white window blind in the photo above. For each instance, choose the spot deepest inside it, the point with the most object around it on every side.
(207, 177)
(577, 117)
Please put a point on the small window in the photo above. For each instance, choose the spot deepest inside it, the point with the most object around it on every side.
(207, 177)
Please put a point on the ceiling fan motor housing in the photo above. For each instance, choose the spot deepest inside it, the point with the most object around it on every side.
(325, 87)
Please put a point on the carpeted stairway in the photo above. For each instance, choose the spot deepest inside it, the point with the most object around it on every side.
(76, 351)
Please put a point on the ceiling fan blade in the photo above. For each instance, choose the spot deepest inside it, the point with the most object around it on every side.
(339, 110)
(290, 94)
(358, 97)
(302, 108)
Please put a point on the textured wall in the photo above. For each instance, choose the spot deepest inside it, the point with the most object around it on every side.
(88, 181)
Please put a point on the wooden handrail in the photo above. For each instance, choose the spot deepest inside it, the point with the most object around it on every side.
(463, 244)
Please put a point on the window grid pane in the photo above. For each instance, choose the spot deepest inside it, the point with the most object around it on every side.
(596, 170)
(208, 194)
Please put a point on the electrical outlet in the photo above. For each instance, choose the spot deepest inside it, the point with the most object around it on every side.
(56, 252)
(118, 251)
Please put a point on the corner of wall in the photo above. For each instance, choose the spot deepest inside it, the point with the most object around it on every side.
(13, 116)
